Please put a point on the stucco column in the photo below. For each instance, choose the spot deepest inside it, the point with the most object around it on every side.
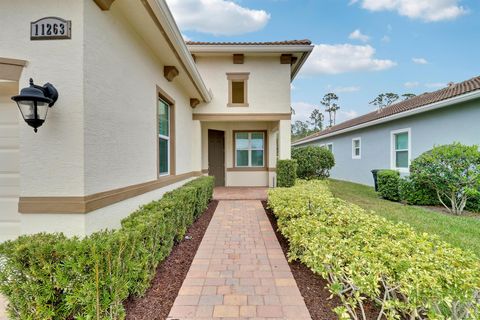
(284, 139)
(272, 156)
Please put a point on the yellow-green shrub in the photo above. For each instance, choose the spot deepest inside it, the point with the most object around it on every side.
(362, 255)
(50, 276)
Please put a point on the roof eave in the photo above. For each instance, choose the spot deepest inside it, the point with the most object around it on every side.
(436, 105)
(305, 51)
(173, 33)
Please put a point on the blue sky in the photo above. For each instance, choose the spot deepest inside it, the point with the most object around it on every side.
(363, 47)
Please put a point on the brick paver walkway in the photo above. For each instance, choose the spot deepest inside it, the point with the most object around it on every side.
(239, 270)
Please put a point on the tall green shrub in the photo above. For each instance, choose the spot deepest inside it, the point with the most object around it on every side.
(363, 257)
(50, 276)
(453, 171)
(313, 162)
(286, 173)
(388, 184)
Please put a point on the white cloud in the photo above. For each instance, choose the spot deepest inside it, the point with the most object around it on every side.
(217, 17)
(411, 84)
(186, 38)
(343, 58)
(358, 35)
(386, 39)
(427, 10)
(420, 60)
(347, 89)
(435, 85)
(304, 109)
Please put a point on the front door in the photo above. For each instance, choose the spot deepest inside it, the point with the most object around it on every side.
(216, 156)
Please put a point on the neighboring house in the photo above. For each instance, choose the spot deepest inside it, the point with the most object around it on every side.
(136, 115)
(392, 137)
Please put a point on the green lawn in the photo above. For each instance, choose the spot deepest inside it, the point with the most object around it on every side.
(463, 232)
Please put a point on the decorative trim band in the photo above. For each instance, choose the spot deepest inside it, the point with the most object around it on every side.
(85, 204)
(241, 116)
(251, 169)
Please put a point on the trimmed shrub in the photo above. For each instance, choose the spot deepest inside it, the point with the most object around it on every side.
(453, 171)
(388, 184)
(415, 193)
(364, 256)
(313, 162)
(50, 276)
(286, 173)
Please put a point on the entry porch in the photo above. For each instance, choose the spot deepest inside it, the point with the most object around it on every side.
(244, 153)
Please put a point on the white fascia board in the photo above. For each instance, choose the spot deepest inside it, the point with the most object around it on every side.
(436, 105)
(173, 33)
(249, 48)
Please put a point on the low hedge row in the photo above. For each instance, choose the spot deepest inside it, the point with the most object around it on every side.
(50, 276)
(395, 188)
(364, 256)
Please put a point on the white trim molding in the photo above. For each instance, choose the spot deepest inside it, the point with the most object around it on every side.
(359, 156)
(393, 151)
(328, 146)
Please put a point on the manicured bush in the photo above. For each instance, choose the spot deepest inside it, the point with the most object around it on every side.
(453, 171)
(364, 256)
(388, 184)
(50, 276)
(313, 162)
(286, 173)
(414, 193)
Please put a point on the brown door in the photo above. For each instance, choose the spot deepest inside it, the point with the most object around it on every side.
(216, 156)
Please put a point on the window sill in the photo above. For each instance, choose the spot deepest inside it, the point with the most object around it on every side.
(232, 105)
(247, 169)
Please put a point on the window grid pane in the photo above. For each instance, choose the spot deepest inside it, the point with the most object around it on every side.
(249, 149)
(401, 141)
(163, 155)
(401, 159)
(163, 118)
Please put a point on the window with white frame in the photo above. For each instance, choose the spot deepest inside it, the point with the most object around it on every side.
(330, 147)
(249, 149)
(356, 148)
(163, 137)
(401, 149)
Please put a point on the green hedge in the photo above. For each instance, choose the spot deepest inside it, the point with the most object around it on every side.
(286, 173)
(50, 276)
(362, 255)
(415, 193)
(388, 182)
(313, 162)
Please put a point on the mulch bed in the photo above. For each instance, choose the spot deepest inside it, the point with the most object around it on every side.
(313, 287)
(159, 298)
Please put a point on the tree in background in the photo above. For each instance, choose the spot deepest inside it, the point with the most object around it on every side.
(384, 100)
(407, 96)
(316, 120)
(329, 101)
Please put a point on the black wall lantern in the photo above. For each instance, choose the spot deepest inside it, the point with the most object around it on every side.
(34, 103)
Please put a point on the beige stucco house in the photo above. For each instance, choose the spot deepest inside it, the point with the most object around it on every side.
(139, 112)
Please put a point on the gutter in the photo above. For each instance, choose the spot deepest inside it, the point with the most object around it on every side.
(160, 11)
(429, 107)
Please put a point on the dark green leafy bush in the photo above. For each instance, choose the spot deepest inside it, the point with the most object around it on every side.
(453, 171)
(286, 173)
(50, 276)
(364, 257)
(388, 184)
(415, 193)
(313, 162)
